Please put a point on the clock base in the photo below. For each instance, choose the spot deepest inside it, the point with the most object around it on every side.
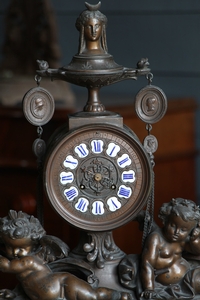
(105, 259)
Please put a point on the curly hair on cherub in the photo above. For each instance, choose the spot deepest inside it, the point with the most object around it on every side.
(19, 225)
(184, 208)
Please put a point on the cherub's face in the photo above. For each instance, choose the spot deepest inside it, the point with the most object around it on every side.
(18, 247)
(92, 29)
(176, 229)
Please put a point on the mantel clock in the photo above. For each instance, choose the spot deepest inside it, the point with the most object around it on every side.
(97, 175)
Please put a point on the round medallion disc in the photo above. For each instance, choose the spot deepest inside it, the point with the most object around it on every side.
(150, 104)
(38, 106)
(39, 147)
(150, 143)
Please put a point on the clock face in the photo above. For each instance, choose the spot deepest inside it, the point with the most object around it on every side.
(98, 177)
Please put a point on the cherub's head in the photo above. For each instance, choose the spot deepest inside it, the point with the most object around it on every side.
(20, 233)
(180, 217)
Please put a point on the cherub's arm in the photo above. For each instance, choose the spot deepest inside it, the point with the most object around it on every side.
(15, 265)
(4, 264)
(148, 262)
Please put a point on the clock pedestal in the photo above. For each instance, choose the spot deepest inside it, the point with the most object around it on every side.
(84, 118)
(98, 249)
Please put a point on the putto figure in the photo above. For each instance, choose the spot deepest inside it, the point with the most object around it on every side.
(165, 274)
(29, 250)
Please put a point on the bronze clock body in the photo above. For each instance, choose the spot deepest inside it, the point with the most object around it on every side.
(98, 176)
(97, 173)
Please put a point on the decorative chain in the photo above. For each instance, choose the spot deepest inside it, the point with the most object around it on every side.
(149, 213)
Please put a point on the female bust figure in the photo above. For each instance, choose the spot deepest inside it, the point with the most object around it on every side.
(92, 26)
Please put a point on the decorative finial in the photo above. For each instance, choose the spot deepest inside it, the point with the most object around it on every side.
(92, 7)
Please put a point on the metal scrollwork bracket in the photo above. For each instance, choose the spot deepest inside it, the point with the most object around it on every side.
(101, 248)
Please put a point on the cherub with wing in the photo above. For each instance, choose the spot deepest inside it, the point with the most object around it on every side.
(29, 250)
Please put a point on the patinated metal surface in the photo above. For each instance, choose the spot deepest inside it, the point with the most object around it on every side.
(38, 106)
(98, 176)
(93, 67)
(150, 104)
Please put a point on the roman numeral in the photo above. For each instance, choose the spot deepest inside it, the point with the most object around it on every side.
(82, 204)
(98, 208)
(112, 150)
(124, 192)
(128, 176)
(81, 150)
(124, 161)
(71, 193)
(113, 204)
(70, 162)
(66, 177)
(97, 146)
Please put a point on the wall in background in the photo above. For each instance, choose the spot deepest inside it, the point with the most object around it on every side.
(167, 32)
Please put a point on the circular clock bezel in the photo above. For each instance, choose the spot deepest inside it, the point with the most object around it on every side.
(58, 152)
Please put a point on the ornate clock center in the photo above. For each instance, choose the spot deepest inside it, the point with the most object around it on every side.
(98, 177)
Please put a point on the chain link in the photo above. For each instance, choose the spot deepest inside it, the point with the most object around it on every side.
(149, 214)
(39, 131)
(149, 77)
(38, 79)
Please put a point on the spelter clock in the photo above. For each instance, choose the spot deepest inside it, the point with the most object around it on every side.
(97, 174)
